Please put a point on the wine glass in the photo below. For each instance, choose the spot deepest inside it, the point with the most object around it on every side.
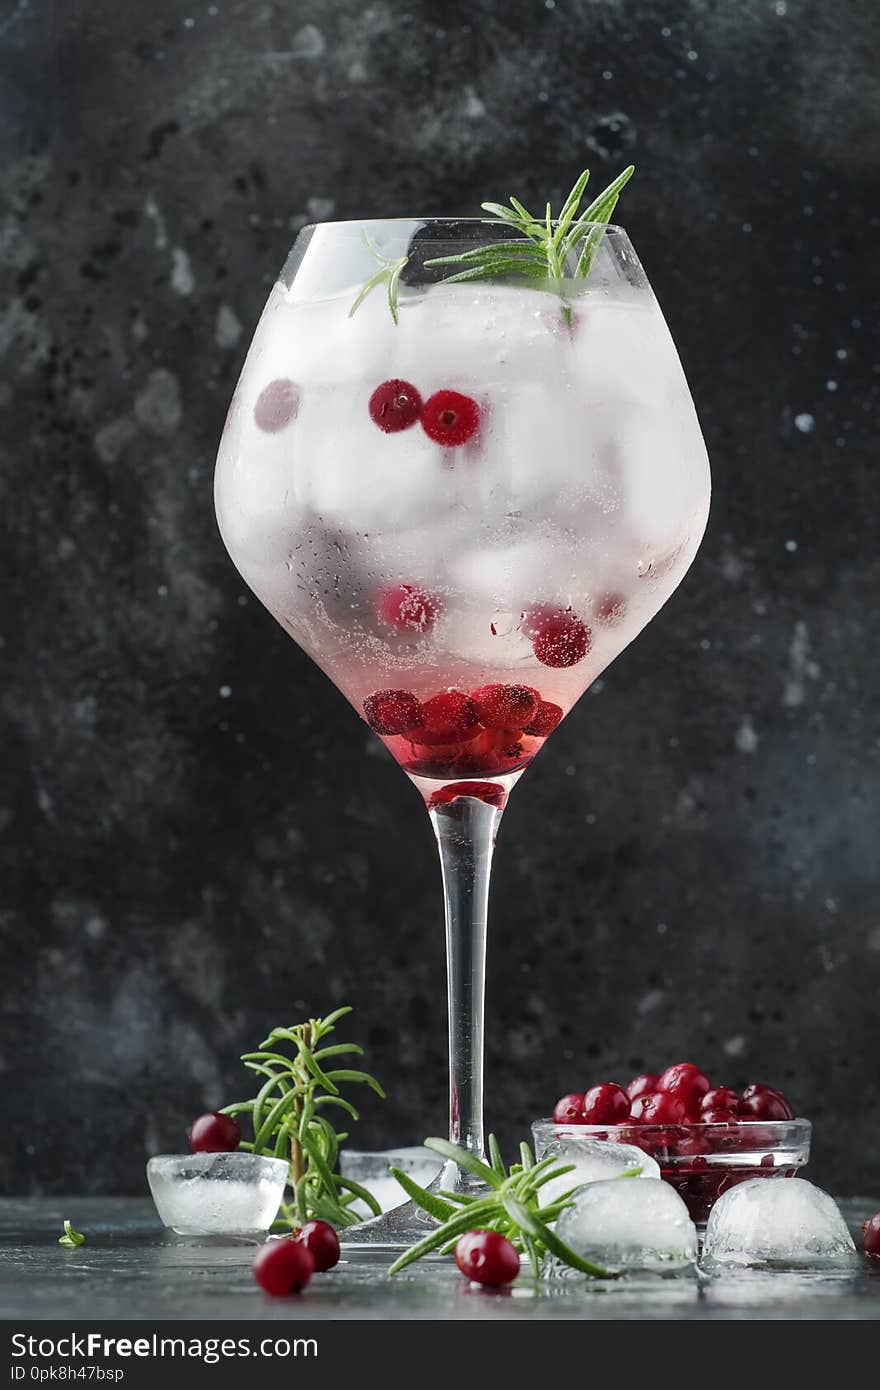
(462, 499)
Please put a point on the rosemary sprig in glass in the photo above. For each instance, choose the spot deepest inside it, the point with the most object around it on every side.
(554, 251)
(510, 1206)
(289, 1118)
(549, 252)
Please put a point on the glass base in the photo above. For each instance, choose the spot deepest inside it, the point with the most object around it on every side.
(396, 1230)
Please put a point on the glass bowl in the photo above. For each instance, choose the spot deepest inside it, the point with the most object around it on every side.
(699, 1160)
(224, 1194)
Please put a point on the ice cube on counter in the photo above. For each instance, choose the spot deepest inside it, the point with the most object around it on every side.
(786, 1222)
(595, 1160)
(623, 1224)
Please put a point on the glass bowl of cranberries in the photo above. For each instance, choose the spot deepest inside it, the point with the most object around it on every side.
(705, 1138)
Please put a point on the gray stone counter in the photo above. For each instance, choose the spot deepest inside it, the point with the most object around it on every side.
(130, 1268)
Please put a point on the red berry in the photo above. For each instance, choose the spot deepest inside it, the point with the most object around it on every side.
(642, 1085)
(718, 1115)
(322, 1243)
(606, 1104)
(561, 640)
(720, 1097)
(393, 712)
(450, 418)
(407, 606)
(505, 706)
(659, 1108)
(544, 720)
(449, 717)
(610, 609)
(277, 404)
(214, 1134)
(871, 1236)
(489, 792)
(284, 1266)
(395, 405)
(687, 1081)
(569, 1110)
(487, 1257)
(764, 1103)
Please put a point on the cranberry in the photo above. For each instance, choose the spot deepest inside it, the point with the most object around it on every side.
(395, 405)
(606, 1104)
(214, 1134)
(487, 1257)
(871, 1236)
(642, 1085)
(610, 609)
(449, 717)
(489, 792)
(322, 1243)
(764, 1103)
(450, 418)
(718, 1115)
(277, 404)
(393, 712)
(283, 1266)
(659, 1108)
(544, 720)
(561, 640)
(505, 706)
(569, 1110)
(687, 1081)
(408, 606)
(720, 1097)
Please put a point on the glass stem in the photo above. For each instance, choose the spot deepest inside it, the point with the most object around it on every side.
(465, 830)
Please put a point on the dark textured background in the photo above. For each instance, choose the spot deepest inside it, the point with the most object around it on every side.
(199, 837)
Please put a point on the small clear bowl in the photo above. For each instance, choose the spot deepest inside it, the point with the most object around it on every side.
(224, 1194)
(701, 1161)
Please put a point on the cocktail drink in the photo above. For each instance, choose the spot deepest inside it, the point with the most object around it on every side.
(463, 498)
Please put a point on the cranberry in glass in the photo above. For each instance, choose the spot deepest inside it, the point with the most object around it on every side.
(283, 1267)
(606, 1104)
(764, 1103)
(487, 1258)
(642, 1085)
(720, 1115)
(214, 1134)
(569, 1110)
(871, 1236)
(659, 1108)
(686, 1081)
(720, 1098)
(322, 1243)
(395, 405)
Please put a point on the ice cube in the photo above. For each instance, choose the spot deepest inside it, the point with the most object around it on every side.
(373, 1171)
(776, 1221)
(623, 1224)
(594, 1160)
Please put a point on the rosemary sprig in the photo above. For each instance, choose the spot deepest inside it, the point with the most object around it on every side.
(550, 252)
(553, 251)
(289, 1119)
(388, 274)
(71, 1240)
(511, 1206)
